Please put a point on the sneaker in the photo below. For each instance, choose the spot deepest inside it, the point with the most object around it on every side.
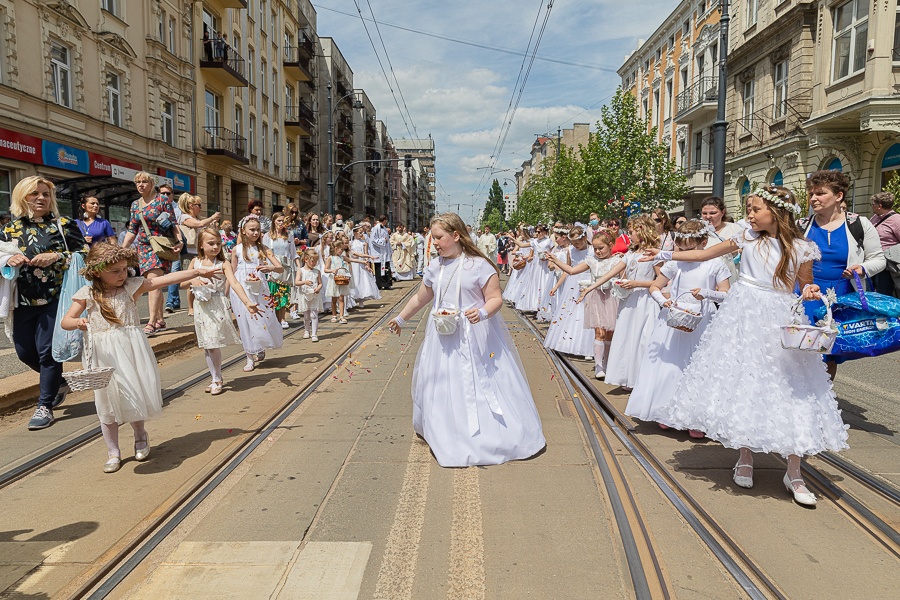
(314, 338)
(284, 325)
(170, 308)
(295, 315)
(43, 418)
(60, 397)
(305, 335)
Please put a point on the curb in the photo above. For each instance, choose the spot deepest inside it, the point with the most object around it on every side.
(22, 389)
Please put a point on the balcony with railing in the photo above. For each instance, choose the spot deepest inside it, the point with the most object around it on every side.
(296, 65)
(308, 150)
(225, 144)
(698, 101)
(223, 64)
(297, 176)
(301, 118)
(225, 3)
(699, 178)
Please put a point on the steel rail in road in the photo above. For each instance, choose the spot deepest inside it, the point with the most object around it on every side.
(109, 576)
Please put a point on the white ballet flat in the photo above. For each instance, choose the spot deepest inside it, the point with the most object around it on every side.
(112, 465)
(141, 454)
(742, 481)
(805, 498)
(599, 374)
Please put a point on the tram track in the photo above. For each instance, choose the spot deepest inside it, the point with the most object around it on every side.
(103, 579)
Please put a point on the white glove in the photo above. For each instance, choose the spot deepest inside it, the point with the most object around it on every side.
(659, 297)
(714, 295)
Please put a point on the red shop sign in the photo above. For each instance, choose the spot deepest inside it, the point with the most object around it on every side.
(19, 146)
(102, 165)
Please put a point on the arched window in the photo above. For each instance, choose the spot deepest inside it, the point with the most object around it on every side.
(890, 164)
(835, 165)
(778, 178)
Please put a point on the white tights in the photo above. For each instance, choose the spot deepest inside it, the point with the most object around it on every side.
(214, 363)
(601, 354)
(311, 321)
(111, 436)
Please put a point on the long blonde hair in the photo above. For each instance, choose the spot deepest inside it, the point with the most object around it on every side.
(645, 232)
(453, 223)
(263, 251)
(215, 233)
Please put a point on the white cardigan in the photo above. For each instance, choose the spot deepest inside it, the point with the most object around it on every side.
(871, 256)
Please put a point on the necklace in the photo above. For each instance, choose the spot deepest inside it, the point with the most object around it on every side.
(447, 285)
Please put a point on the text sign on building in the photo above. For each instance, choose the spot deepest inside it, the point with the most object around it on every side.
(102, 165)
(120, 172)
(66, 157)
(19, 146)
(180, 181)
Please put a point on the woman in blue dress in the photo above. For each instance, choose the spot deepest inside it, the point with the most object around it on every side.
(93, 227)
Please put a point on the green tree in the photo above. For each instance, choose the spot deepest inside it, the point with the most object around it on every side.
(494, 220)
(495, 202)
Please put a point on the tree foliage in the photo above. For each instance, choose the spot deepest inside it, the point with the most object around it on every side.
(621, 170)
(495, 204)
(494, 220)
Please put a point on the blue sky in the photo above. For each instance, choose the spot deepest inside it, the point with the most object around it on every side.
(460, 93)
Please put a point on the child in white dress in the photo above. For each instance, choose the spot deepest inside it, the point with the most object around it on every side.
(516, 253)
(537, 280)
(252, 262)
(471, 399)
(212, 319)
(550, 300)
(324, 248)
(638, 311)
(309, 301)
(116, 340)
(742, 388)
(600, 307)
(362, 280)
(567, 332)
(336, 264)
(694, 285)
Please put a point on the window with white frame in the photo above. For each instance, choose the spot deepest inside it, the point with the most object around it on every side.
(213, 107)
(111, 6)
(251, 63)
(264, 145)
(681, 154)
(698, 149)
(276, 148)
(780, 79)
(61, 74)
(263, 67)
(161, 27)
(114, 98)
(646, 108)
(290, 154)
(752, 12)
(289, 96)
(172, 29)
(251, 135)
(747, 92)
(851, 29)
(273, 26)
(656, 101)
(275, 86)
(262, 15)
(669, 89)
(167, 121)
(239, 121)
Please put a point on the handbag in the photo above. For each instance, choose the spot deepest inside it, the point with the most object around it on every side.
(161, 245)
(67, 345)
(868, 323)
(189, 235)
(446, 317)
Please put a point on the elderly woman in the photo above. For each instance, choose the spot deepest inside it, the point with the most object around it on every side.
(154, 214)
(255, 208)
(38, 243)
(887, 224)
(93, 227)
(849, 243)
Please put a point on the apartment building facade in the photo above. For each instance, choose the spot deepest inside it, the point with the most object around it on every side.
(419, 179)
(544, 146)
(673, 75)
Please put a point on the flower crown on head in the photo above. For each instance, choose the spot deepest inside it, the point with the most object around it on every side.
(110, 255)
(561, 230)
(701, 233)
(576, 236)
(245, 219)
(777, 200)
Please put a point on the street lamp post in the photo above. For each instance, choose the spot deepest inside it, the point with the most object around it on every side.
(356, 105)
(721, 125)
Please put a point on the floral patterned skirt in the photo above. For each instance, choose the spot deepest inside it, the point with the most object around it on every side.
(279, 295)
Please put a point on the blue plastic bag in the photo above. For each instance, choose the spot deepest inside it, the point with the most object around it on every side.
(868, 324)
(67, 344)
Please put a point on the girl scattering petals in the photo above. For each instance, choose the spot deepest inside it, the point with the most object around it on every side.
(471, 399)
(133, 394)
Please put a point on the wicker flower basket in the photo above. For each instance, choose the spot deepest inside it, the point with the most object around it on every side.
(519, 263)
(342, 278)
(91, 377)
(820, 338)
(682, 318)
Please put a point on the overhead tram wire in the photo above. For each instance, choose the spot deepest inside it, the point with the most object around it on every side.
(508, 125)
(391, 67)
(500, 49)
(510, 112)
(383, 72)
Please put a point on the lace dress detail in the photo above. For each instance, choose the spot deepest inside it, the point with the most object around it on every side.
(134, 392)
(212, 319)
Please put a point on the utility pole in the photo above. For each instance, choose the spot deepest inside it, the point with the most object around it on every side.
(330, 152)
(558, 141)
(721, 125)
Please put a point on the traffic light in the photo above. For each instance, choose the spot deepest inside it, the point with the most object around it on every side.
(407, 161)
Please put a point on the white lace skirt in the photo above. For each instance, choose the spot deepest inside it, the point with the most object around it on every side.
(212, 323)
(134, 393)
(634, 325)
(744, 390)
(567, 332)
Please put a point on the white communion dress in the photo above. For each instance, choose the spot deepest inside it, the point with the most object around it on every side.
(567, 332)
(362, 283)
(539, 279)
(634, 324)
(471, 399)
(670, 349)
(513, 284)
(550, 304)
(134, 392)
(264, 331)
(741, 387)
(212, 319)
(307, 297)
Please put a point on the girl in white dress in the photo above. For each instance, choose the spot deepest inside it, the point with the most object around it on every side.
(742, 388)
(252, 262)
(471, 399)
(567, 332)
(550, 299)
(517, 251)
(695, 286)
(336, 264)
(212, 319)
(309, 283)
(638, 311)
(600, 306)
(538, 279)
(362, 280)
(134, 392)
(280, 241)
(324, 249)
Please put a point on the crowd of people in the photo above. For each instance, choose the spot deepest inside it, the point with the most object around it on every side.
(683, 315)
